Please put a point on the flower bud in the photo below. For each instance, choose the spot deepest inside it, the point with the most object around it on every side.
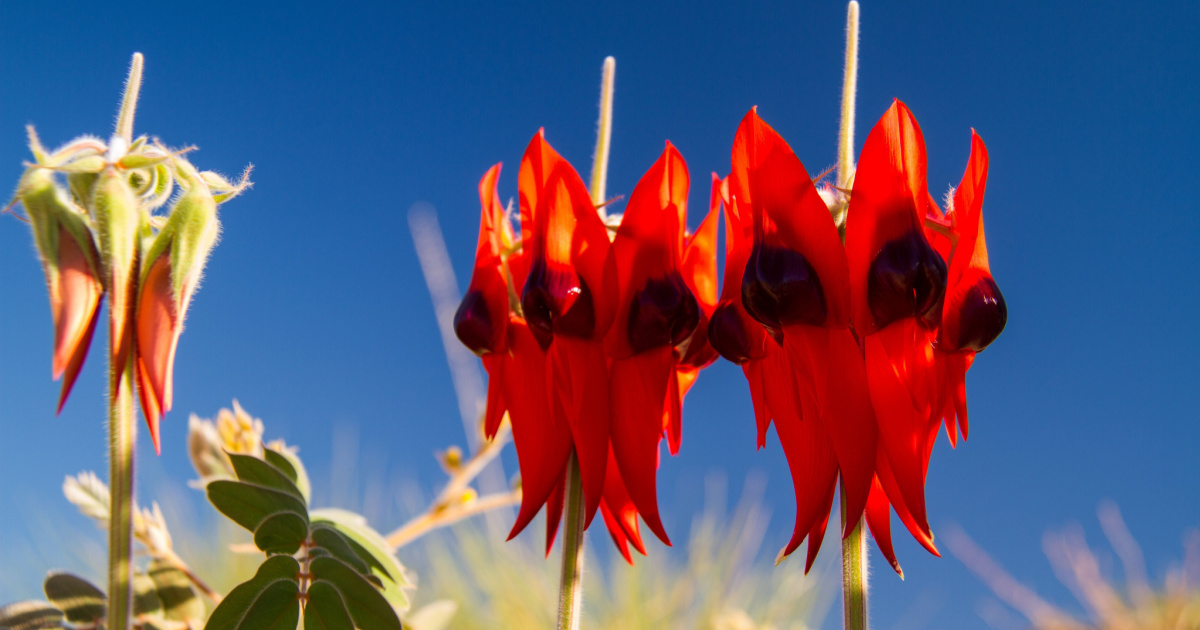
(170, 272)
(69, 259)
(116, 218)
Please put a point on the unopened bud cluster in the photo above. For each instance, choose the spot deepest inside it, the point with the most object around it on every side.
(133, 220)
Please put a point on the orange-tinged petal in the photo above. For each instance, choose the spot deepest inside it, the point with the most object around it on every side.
(731, 330)
(75, 295)
(879, 520)
(481, 318)
(570, 289)
(655, 306)
(894, 272)
(789, 214)
(700, 274)
(639, 386)
(159, 324)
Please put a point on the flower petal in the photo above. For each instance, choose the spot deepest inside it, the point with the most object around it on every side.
(639, 388)
(879, 520)
(158, 327)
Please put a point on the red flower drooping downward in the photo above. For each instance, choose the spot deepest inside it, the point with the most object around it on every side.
(589, 343)
(857, 353)
(924, 303)
(799, 354)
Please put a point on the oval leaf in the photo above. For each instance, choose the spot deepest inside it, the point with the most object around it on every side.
(366, 604)
(249, 505)
(328, 539)
(281, 533)
(79, 599)
(233, 610)
(325, 609)
(179, 599)
(369, 545)
(31, 615)
(276, 608)
(253, 470)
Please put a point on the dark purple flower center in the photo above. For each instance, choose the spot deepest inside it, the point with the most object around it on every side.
(557, 302)
(780, 287)
(982, 315)
(727, 335)
(473, 323)
(906, 279)
(663, 313)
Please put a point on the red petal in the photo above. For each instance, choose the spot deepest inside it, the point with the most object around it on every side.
(620, 515)
(543, 445)
(817, 534)
(769, 179)
(579, 382)
(560, 225)
(809, 453)
(649, 243)
(753, 370)
(615, 531)
(902, 426)
(888, 200)
(829, 366)
(158, 328)
(488, 278)
(150, 405)
(879, 520)
(673, 413)
(494, 414)
(639, 388)
(554, 511)
(700, 255)
(968, 210)
(888, 481)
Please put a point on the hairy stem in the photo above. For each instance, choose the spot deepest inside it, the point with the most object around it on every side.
(122, 434)
(570, 584)
(129, 100)
(854, 574)
(603, 133)
(845, 155)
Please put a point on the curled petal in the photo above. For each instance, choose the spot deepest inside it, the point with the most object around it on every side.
(620, 514)
(481, 318)
(879, 520)
(75, 295)
(579, 380)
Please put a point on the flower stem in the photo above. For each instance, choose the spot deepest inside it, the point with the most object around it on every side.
(603, 133)
(854, 574)
(122, 438)
(570, 584)
(845, 159)
(129, 101)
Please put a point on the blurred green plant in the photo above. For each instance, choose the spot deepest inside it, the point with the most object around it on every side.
(1110, 605)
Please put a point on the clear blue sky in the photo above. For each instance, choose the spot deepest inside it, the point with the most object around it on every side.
(314, 312)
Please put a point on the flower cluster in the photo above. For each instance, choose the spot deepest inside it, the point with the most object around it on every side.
(856, 349)
(591, 336)
(92, 206)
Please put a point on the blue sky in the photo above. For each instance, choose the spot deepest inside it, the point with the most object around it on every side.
(315, 315)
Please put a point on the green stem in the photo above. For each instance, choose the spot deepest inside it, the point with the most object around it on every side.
(845, 161)
(122, 438)
(854, 574)
(570, 583)
(133, 85)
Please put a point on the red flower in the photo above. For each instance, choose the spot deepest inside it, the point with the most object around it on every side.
(552, 353)
(919, 321)
(806, 373)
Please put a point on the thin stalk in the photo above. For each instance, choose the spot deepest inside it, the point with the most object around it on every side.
(854, 574)
(845, 161)
(599, 180)
(122, 439)
(129, 100)
(570, 583)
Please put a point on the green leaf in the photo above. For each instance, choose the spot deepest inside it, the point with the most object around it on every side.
(276, 608)
(180, 601)
(325, 609)
(328, 539)
(31, 615)
(298, 474)
(145, 596)
(253, 470)
(366, 604)
(233, 613)
(79, 599)
(281, 533)
(249, 505)
(370, 546)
